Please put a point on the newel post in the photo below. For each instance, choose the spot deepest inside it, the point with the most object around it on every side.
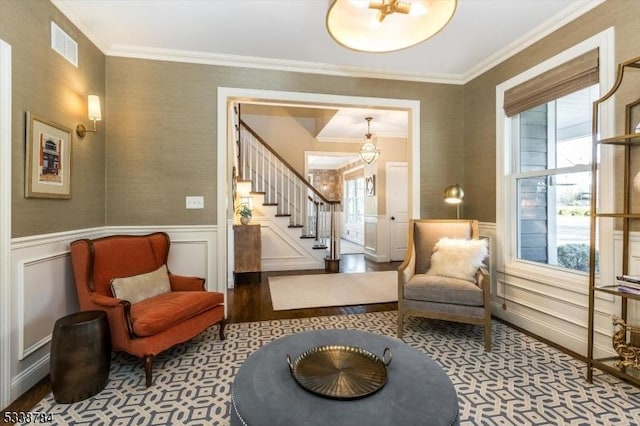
(332, 262)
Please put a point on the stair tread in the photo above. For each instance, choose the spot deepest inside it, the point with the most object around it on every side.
(319, 247)
(296, 226)
(283, 215)
(269, 204)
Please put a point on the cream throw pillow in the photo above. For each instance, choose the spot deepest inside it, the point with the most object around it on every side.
(141, 287)
(458, 258)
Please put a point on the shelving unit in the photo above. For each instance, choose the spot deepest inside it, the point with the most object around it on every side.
(627, 142)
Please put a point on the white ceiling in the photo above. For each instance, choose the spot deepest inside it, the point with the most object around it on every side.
(329, 161)
(291, 34)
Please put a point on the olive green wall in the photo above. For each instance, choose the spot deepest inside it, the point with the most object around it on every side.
(163, 124)
(44, 83)
(480, 95)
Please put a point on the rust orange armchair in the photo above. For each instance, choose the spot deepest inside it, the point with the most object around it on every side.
(175, 314)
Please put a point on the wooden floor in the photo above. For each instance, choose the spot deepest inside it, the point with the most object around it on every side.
(249, 301)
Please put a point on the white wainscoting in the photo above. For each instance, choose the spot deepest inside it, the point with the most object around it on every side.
(43, 288)
(376, 238)
(558, 311)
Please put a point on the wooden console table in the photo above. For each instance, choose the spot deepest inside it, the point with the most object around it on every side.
(247, 248)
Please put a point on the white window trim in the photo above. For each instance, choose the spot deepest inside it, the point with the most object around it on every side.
(505, 221)
(347, 200)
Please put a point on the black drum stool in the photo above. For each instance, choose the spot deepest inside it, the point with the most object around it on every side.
(80, 356)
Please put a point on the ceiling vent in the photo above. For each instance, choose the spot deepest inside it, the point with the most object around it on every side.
(62, 43)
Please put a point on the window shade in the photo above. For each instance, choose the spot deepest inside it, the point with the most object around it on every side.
(578, 73)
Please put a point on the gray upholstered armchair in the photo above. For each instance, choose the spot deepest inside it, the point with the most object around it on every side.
(443, 275)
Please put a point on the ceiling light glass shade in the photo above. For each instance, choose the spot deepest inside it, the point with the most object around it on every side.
(453, 194)
(369, 151)
(386, 25)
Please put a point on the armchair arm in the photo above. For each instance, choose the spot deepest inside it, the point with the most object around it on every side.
(406, 270)
(119, 313)
(104, 302)
(484, 282)
(182, 283)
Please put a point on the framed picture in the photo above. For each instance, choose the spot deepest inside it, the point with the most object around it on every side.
(48, 159)
(370, 185)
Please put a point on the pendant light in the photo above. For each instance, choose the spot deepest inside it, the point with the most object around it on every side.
(369, 151)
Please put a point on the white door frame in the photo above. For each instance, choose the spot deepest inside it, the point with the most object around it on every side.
(229, 94)
(5, 223)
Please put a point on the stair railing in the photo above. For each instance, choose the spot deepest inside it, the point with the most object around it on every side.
(284, 187)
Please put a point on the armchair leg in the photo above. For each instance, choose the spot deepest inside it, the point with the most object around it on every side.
(400, 325)
(148, 367)
(221, 330)
(487, 337)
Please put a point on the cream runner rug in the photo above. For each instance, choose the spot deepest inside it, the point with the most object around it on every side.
(320, 290)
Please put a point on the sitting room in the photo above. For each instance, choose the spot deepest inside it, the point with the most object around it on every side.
(299, 212)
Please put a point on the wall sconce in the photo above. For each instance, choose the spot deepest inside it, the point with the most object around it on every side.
(93, 107)
(454, 194)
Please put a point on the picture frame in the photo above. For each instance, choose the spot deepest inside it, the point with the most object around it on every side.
(47, 159)
(370, 185)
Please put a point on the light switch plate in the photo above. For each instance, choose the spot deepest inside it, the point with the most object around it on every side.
(195, 202)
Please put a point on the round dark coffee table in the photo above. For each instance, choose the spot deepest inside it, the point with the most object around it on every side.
(80, 356)
(417, 390)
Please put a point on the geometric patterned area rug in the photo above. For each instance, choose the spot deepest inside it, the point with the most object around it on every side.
(523, 381)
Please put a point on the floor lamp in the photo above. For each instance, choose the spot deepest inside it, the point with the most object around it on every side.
(454, 194)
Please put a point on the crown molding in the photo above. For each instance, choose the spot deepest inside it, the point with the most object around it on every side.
(559, 20)
(273, 64)
(556, 22)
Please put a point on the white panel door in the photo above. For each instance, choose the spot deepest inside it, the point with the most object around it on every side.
(397, 208)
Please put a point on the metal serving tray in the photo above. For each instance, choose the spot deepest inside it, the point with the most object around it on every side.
(340, 372)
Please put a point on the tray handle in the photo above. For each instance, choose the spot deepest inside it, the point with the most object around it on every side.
(384, 355)
(290, 364)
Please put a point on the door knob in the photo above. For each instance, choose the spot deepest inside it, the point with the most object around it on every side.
(393, 218)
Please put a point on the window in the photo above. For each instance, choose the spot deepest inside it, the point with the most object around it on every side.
(551, 181)
(544, 147)
(354, 200)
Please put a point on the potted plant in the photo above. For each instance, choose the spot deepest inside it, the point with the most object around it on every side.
(244, 212)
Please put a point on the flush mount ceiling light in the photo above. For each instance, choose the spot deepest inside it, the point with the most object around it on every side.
(369, 151)
(386, 25)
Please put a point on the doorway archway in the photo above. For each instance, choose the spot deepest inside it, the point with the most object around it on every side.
(227, 96)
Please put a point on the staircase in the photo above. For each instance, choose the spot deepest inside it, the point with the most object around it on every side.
(299, 217)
